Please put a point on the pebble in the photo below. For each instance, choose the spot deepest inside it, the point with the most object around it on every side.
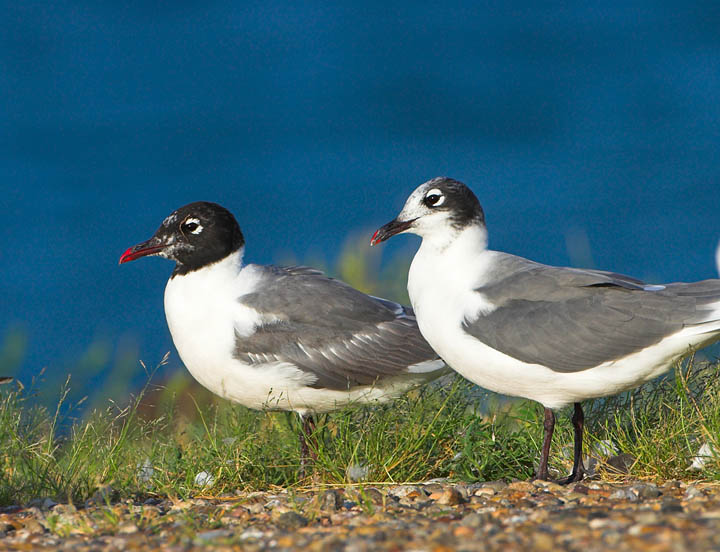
(623, 494)
(127, 529)
(291, 520)
(331, 501)
(33, 527)
(521, 486)
(646, 490)
(448, 497)
(407, 491)
(620, 463)
(214, 534)
(495, 485)
(204, 479)
(693, 492)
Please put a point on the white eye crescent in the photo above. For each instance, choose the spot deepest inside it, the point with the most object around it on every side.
(192, 225)
(434, 198)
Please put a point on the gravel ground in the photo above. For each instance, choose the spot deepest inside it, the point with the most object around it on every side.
(434, 516)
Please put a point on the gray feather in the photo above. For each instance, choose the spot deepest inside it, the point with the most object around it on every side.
(572, 319)
(331, 330)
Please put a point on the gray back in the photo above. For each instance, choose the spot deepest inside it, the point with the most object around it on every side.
(572, 319)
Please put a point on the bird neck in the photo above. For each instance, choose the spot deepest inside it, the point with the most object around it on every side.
(230, 264)
(470, 240)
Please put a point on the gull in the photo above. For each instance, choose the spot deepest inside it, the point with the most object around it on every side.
(279, 338)
(554, 335)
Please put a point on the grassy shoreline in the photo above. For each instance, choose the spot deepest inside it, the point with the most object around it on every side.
(156, 446)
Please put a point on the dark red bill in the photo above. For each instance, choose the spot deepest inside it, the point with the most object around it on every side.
(390, 229)
(150, 247)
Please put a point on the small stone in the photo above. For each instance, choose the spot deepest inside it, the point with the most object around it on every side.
(647, 517)
(127, 529)
(33, 526)
(42, 503)
(204, 479)
(408, 491)
(251, 534)
(521, 486)
(693, 492)
(623, 494)
(464, 491)
(255, 508)
(374, 495)
(581, 489)
(331, 501)
(290, 520)
(213, 534)
(549, 486)
(463, 532)
(620, 463)
(449, 497)
(272, 504)
(476, 519)
(646, 490)
(671, 506)
(485, 491)
(498, 485)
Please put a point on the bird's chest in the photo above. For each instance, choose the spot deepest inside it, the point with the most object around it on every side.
(203, 315)
(442, 289)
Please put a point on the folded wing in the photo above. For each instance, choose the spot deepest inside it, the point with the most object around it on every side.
(571, 319)
(323, 326)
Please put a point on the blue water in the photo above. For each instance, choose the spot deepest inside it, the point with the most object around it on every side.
(590, 134)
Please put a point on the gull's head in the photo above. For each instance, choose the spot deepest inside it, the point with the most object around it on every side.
(194, 236)
(441, 207)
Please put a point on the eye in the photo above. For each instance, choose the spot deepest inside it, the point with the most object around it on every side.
(192, 225)
(434, 198)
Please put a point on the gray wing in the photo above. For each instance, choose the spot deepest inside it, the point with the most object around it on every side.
(331, 330)
(571, 319)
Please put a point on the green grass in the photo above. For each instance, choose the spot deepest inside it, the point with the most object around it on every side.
(431, 432)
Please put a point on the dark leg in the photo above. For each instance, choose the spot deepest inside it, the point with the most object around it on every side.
(308, 454)
(578, 421)
(549, 426)
(578, 471)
